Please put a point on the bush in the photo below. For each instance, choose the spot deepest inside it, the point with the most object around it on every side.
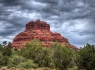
(74, 68)
(15, 60)
(37, 53)
(28, 64)
(86, 58)
(61, 56)
(4, 60)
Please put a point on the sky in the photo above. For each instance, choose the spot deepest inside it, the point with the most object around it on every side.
(73, 19)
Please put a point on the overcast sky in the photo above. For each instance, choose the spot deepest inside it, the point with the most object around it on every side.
(74, 19)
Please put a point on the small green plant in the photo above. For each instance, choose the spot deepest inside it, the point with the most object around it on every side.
(74, 68)
(28, 64)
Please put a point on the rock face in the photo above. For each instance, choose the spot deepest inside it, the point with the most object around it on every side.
(41, 31)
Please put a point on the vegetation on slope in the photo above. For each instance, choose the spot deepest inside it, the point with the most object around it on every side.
(54, 57)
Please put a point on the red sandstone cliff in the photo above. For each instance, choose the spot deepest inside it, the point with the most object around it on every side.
(41, 31)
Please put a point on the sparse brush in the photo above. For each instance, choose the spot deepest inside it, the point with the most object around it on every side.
(4, 68)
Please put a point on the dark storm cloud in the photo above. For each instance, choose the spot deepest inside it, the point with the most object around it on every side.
(11, 2)
(74, 19)
(8, 32)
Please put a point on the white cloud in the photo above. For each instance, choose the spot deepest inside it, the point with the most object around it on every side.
(72, 30)
(80, 3)
(38, 3)
(75, 25)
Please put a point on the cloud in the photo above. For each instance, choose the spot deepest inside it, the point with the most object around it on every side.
(79, 31)
(74, 19)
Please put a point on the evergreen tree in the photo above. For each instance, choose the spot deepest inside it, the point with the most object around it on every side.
(33, 50)
(8, 50)
(61, 56)
(4, 43)
(86, 58)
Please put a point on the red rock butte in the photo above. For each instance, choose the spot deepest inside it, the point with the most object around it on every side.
(41, 31)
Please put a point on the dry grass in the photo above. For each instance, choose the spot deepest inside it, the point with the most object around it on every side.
(13, 68)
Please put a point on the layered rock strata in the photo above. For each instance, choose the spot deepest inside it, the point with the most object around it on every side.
(41, 31)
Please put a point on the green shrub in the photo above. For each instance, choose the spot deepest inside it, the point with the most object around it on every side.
(15, 60)
(28, 64)
(86, 57)
(37, 53)
(74, 68)
(4, 60)
(61, 56)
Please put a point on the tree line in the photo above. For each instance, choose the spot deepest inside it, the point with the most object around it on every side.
(56, 56)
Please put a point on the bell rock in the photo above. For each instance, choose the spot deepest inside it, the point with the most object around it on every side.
(41, 31)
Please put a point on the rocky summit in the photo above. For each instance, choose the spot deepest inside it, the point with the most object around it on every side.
(41, 31)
